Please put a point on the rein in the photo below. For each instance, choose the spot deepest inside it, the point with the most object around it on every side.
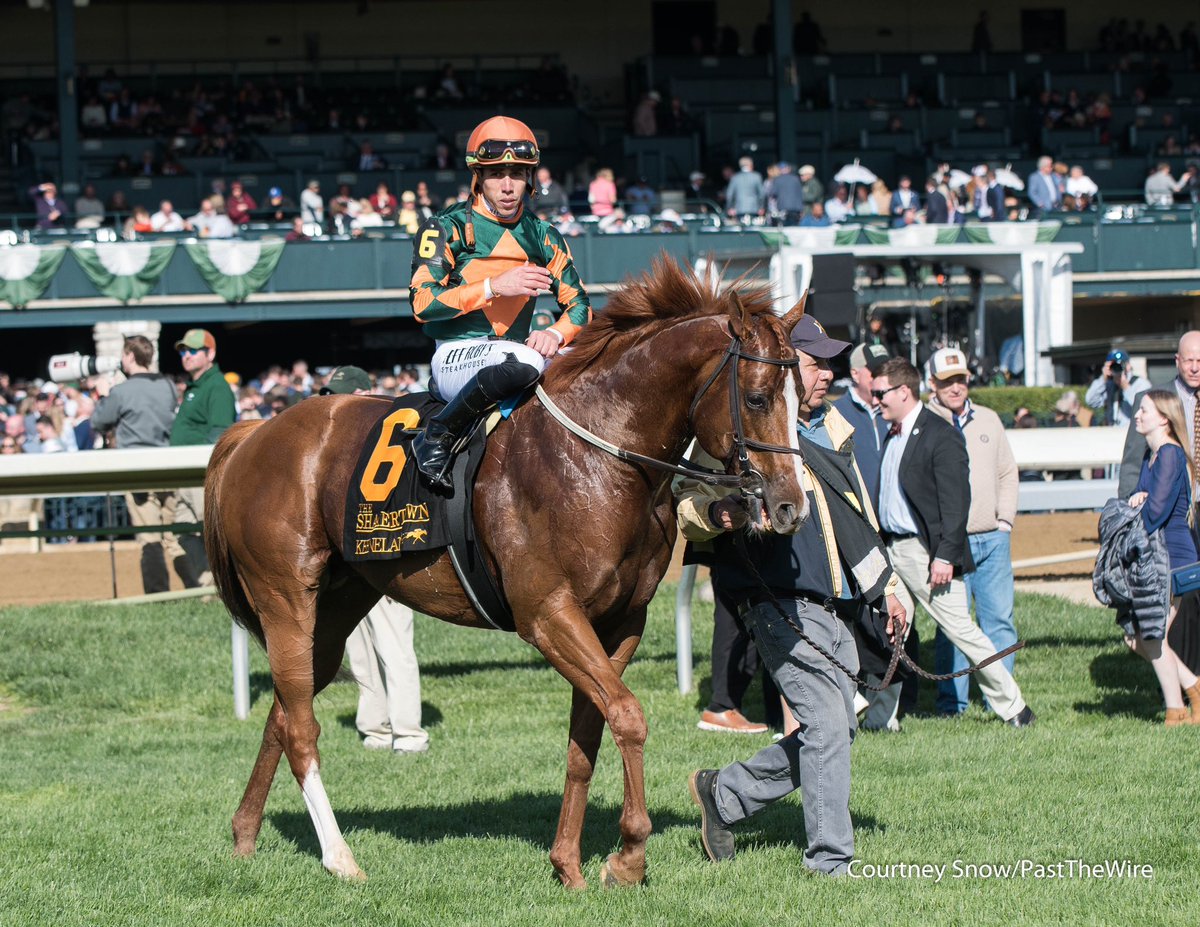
(749, 480)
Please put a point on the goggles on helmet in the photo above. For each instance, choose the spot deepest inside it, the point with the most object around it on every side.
(497, 151)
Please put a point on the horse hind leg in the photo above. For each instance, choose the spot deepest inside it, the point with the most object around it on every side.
(247, 820)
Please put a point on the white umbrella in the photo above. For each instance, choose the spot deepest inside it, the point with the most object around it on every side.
(854, 173)
(1006, 178)
(958, 179)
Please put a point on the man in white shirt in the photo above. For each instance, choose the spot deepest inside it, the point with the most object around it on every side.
(208, 223)
(167, 219)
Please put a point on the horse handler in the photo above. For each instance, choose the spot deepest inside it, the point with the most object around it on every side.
(816, 581)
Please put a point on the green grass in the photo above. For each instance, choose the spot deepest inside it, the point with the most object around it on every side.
(121, 763)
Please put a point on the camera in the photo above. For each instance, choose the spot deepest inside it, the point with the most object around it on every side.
(67, 367)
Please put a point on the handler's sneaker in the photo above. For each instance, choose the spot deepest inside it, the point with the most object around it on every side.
(715, 834)
(731, 722)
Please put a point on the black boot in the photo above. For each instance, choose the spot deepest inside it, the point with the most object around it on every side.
(154, 569)
(433, 448)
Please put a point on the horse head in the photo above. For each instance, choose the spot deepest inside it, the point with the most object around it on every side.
(747, 418)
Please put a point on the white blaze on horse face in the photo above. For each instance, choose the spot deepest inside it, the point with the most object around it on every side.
(335, 854)
(791, 397)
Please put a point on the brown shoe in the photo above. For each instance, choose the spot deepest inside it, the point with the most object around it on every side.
(1176, 717)
(1193, 697)
(730, 722)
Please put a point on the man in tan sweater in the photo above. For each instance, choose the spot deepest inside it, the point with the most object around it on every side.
(989, 523)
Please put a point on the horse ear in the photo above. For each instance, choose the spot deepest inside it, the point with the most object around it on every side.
(795, 314)
(737, 314)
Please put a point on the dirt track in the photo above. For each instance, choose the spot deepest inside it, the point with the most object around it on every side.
(83, 572)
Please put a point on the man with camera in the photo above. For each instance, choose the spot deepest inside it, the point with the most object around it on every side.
(142, 410)
(1116, 388)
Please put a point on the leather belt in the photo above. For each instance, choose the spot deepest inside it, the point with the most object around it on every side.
(888, 537)
(754, 599)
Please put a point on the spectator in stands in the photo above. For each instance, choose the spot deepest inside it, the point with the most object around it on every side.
(89, 209)
(448, 86)
(312, 207)
(383, 203)
(807, 38)
(49, 440)
(10, 445)
(342, 209)
(50, 207)
(602, 193)
(745, 197)
(147, 166)
(903, 199)
(297, 232)
(937, 207)
(1191, 178)
(167, 219)
(217, 195)
(123, 111)
(278, 208)
(1042, 189)
(676, 120)
(240, 205)
(368, 160)
(1069, 413)
(425, 205)
(118, 205)
(641, 198)
(551, 198)
(837, 207)
(864, 203)
(988, 198)
(787, 193)
(137, 224)
(93, 115)
(814, 190)
(696, 191)
(1081, 190)
(443, 158)
(1161, 187)
(208, 223)
(1116, 388)
(645, 120)
(366, 218)
(141, 410)
(408, 218)
(882, 197)
(815, 217)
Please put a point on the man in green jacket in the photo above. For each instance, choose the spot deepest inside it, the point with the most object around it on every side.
(206, 410)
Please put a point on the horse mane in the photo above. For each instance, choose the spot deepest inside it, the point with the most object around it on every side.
(666, 294)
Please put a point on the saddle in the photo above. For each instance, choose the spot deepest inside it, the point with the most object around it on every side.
(390, 511)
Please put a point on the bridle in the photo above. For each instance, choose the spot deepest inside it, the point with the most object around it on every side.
(749, 480)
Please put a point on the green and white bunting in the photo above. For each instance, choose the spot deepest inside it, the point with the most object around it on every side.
(235, 269)
(26, 271)
(914, 236)
(124, 270)
(1012, 233)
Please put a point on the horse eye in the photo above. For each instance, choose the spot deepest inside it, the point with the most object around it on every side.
(756, 401)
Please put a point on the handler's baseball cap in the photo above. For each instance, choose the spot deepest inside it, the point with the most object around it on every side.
(196, 338)
(948, 362)
(871, 356)
(810, 337)
(1116, 354)
(346, 380)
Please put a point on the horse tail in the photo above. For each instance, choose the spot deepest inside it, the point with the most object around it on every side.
(220, 560)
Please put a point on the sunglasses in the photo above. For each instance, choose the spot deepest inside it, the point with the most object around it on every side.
(8, 446)
(880, 393)
(183, 351)
(494, 150)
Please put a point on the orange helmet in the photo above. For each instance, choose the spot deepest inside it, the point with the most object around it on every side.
(502, 140)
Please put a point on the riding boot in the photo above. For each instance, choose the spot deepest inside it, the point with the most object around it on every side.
(434, 447)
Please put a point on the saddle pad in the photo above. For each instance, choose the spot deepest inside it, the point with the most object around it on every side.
(389, 510)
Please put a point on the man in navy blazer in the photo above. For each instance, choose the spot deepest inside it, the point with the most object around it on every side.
(903, 199)
(988, 197)
(924, 499)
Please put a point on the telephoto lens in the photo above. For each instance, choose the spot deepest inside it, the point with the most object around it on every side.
(67, 367)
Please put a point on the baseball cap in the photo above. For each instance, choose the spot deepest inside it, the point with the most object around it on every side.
(871, 356)
(196, 338)
(810, 337)
(346, 379)
(274, 191)
(807, 169)
(696, 176)
(1116, 354)
(979, 170)
(948, 362)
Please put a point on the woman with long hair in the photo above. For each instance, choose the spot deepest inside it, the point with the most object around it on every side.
(602, 193)
(1164, 494)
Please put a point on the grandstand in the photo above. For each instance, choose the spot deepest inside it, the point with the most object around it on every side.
(227, 92)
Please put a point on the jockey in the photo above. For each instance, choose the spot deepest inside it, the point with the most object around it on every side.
(478, 268)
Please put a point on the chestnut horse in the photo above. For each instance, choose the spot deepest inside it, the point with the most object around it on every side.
(577, 539)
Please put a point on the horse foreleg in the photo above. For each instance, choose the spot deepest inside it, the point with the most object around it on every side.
(569, 642)
(587, 729)
(247, 820)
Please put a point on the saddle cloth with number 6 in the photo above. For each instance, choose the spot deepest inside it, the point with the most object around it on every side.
(389, 509)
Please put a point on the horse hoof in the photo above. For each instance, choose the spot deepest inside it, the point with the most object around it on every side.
(342, 865)
(243, 850)
(610, 878)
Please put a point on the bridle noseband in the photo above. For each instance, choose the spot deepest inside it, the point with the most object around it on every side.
(748, 480)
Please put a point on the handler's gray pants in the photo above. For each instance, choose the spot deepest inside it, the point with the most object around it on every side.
(816, 759)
